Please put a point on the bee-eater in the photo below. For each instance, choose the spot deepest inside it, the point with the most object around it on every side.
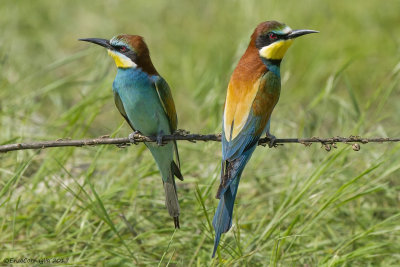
(144, 99)
(253, 92)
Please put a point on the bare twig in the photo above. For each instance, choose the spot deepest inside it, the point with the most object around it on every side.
(327, 143)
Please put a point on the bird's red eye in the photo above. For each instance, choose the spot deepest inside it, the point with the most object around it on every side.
(123, 49)
(272, 36)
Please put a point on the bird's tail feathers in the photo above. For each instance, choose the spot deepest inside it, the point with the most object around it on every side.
(171, 200)
(163, 156)
(171, 196)
(230, 178)
(222, 221)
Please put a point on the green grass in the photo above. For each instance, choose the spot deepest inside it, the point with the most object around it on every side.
(296, 206)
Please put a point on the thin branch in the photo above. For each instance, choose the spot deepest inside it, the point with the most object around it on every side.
(180, 135)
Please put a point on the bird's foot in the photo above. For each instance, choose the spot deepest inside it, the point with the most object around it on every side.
(132, 136)
(160, 136)
(272, 140)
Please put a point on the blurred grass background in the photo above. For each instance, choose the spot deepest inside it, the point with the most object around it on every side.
(296, 206)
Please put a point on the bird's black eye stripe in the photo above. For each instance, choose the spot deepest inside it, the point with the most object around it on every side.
(275, 37)
(120, 48)
(282, 37)
(125, 50)
(268, 38)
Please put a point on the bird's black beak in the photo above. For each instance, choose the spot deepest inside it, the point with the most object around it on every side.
(102, 42)
(297, 33)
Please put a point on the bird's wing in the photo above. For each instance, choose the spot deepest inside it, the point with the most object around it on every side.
(167, 102)
(120, 106)
(247, 118)
(233, 148)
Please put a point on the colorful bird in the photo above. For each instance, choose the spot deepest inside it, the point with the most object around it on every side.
(144, 99)
(253, 92)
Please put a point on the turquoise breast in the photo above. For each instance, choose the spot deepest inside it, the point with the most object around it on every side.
(141, 101)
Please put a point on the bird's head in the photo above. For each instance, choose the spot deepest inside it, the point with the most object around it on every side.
(128, 51)
(272, 39)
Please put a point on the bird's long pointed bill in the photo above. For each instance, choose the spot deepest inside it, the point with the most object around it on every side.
(102, 42)
(297, 33)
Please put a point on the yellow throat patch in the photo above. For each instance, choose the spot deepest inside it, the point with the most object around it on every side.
(121, 60)
(276, 50)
